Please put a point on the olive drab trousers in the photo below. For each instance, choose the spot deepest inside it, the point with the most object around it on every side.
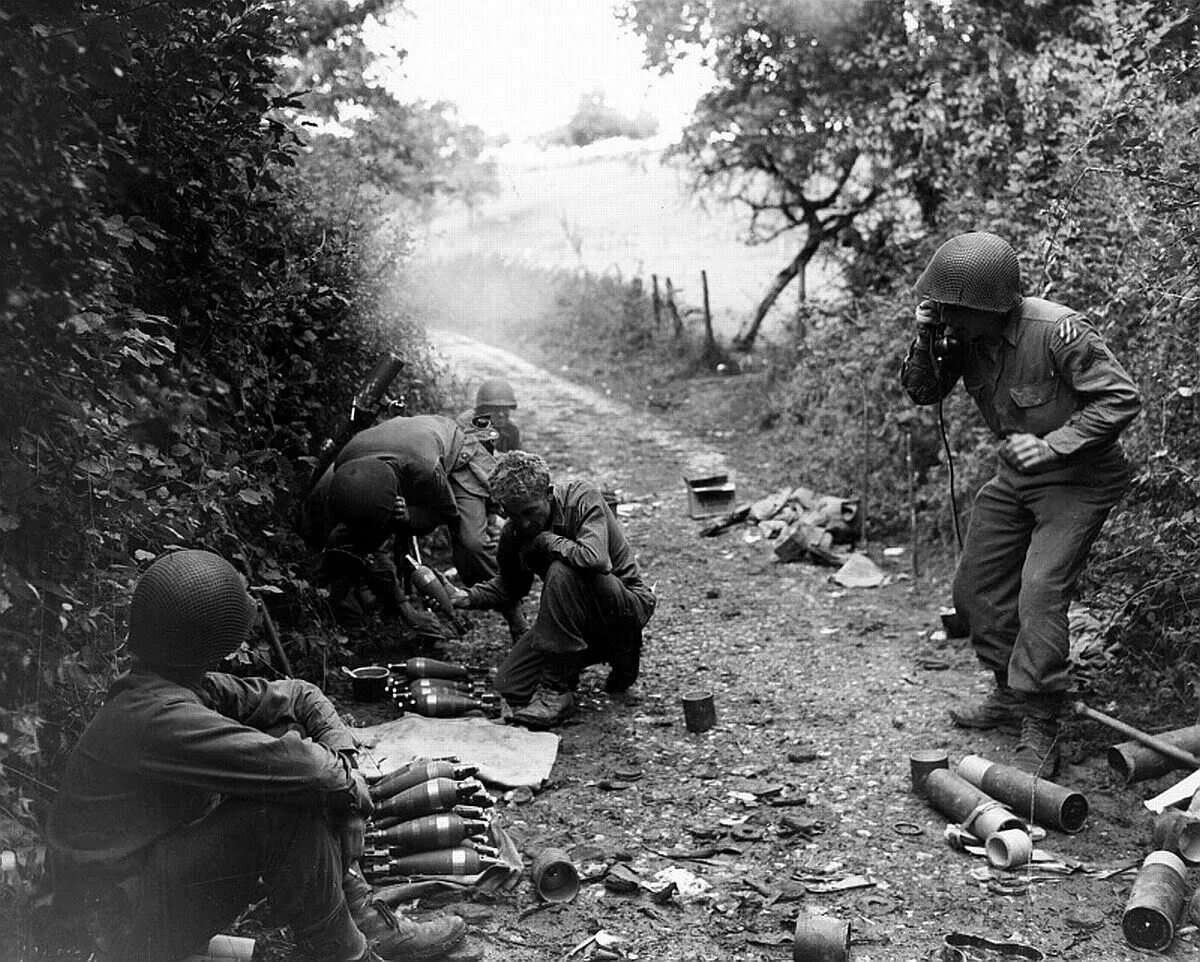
(584, 618)
(193, 883)
(1026, 547)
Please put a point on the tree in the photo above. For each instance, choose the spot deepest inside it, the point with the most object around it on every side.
(850, 121)
(595, 120)
(181, 311)
(386, 153)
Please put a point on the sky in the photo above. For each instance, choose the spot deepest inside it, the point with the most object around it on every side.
(520, 67)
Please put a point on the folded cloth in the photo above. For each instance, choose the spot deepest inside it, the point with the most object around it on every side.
(506, 756)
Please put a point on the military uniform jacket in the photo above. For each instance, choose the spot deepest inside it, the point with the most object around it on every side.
(1050, 374)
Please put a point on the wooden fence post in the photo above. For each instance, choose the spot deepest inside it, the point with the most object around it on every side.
(673, 310)
(710, 342)
(656, 303)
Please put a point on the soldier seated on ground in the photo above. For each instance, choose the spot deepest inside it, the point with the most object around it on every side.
(193, 794)
(594, 603)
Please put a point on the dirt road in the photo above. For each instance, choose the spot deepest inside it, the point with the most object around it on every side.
(799, 799)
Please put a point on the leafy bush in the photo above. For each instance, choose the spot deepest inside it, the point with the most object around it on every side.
(182, 315)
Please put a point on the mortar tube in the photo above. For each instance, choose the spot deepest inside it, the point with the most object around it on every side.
(979, 813)
(1132, 761)
(1033, 798)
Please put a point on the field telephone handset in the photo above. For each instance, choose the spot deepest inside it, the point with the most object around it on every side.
(944, 341)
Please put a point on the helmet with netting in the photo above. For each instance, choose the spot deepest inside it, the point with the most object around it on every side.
(190, 609)
(977, 270)
(496, 393)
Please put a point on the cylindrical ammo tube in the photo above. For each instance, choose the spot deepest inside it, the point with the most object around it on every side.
(953, 795)
(416, 772)
(433, 668)
(435, 795)
(1155, 902)
(446, 861)
(1027, 795)
(429, 832)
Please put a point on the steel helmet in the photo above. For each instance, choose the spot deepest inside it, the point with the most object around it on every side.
(495, 392)
(190, 609)
(363, 492)
(977, 270)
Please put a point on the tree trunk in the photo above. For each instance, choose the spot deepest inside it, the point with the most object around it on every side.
(710, 342)
(746, 338)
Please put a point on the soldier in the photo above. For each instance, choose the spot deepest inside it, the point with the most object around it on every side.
(407, 476)
(1057, 399)
(594, 603)
(190, 785)
(494, 403)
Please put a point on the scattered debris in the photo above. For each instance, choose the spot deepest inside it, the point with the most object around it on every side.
(1084, 917)
(961, 947)
(859, 571)
(599, 942)
(622, 879)
(688, 886)
(799, 522)
(710, 496)
(804, 825)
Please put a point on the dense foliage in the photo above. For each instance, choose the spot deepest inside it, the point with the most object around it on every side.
(193, 287)
(1068, 127)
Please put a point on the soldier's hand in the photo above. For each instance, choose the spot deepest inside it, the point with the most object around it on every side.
(362, 794)
(400, 511)
(458, 597)
(352, 832)
(928, 316)
(1027, 452)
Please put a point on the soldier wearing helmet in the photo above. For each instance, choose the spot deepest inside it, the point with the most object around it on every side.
(408, 476)
(494, 403)
(189, 786)
(1057, 400)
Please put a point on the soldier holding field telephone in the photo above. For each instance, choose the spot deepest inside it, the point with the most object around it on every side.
(1053, 393)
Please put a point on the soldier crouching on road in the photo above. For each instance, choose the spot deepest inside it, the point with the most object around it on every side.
(406, 477)
(190, 786)
(594, 603)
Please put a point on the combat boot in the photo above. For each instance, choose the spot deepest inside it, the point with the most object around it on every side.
(547, 709)
(1038, 747)
(625, 666)
(1003, 709)
(410, 941)
(393, 938)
